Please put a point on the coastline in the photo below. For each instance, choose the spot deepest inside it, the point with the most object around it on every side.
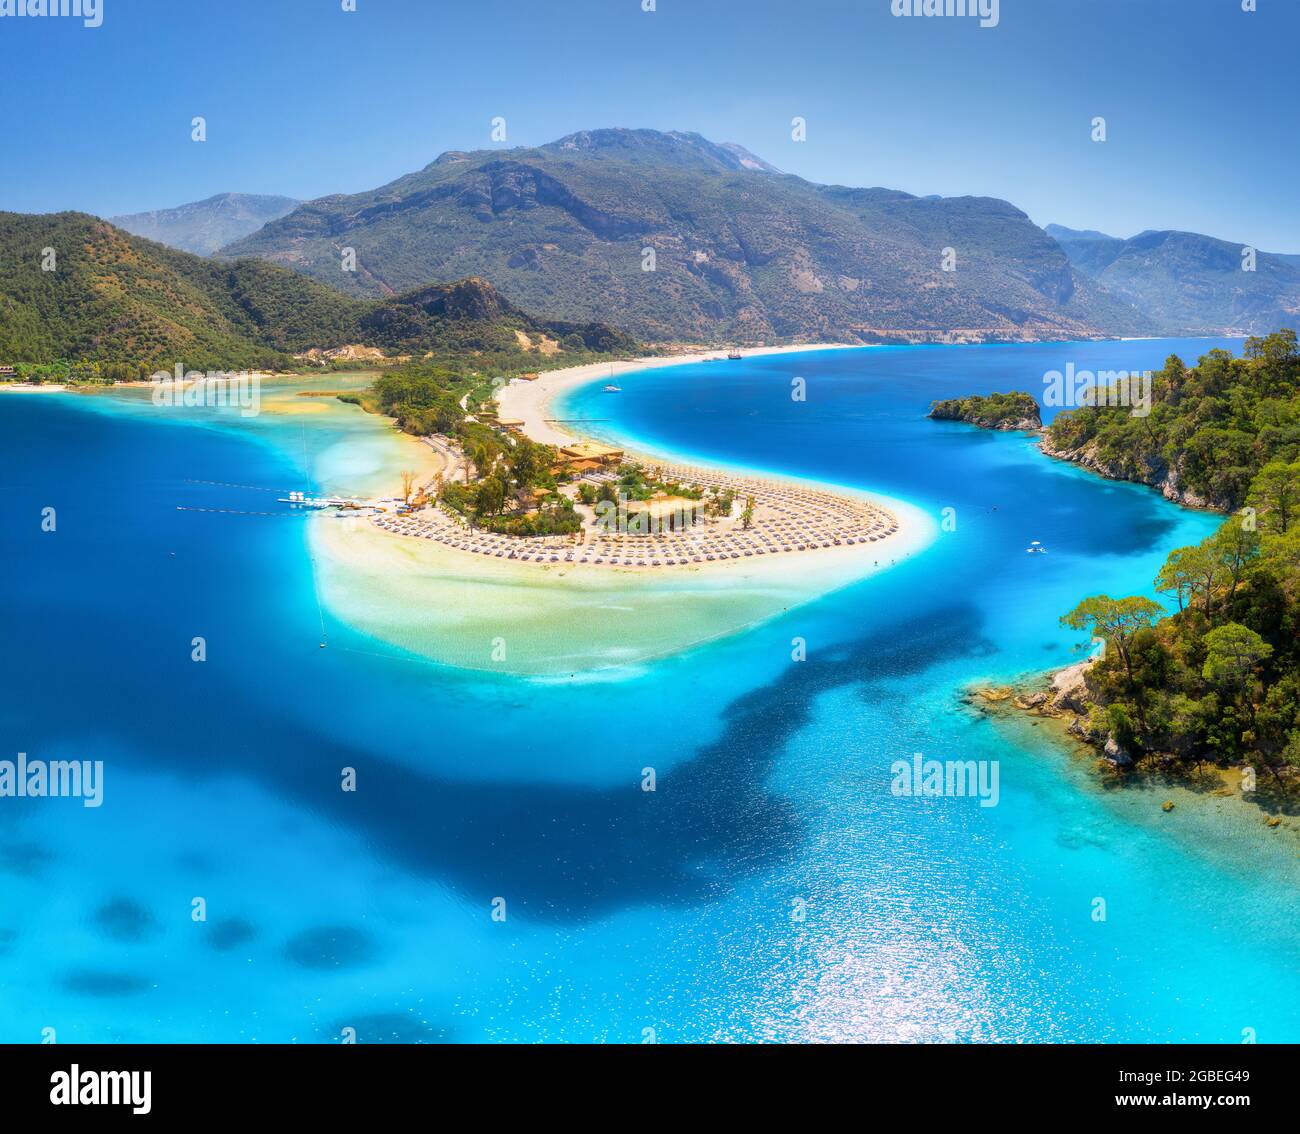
(792, 515)
(532, 402)
(565, 617)
(1206, 805)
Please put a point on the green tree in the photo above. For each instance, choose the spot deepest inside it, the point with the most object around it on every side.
(490, 497)
(526, 463)
(1233, 653)
(1235, 545)
(1195, 571)
(1275, 495)
(1115, 620)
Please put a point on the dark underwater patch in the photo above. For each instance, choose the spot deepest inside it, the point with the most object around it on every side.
(104, 985)
(330, 947)
(230, 933)
(125, 920)
(26, 860)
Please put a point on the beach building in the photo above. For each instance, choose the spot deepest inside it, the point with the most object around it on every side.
(663, 513)
(590, 455)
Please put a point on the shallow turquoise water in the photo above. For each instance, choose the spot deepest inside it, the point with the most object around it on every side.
(771, 888)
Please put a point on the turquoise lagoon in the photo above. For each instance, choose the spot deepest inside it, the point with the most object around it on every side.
(771, 888)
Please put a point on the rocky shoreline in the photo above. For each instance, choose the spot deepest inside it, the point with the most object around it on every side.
(1019, 412)
(1155, 473)
(1062, 696)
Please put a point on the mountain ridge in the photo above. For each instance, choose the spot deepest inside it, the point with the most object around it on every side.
(1188, 282)
(204, 226)
(739, 250)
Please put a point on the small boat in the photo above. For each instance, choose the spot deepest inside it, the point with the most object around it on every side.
(734, 356)
(613, 389)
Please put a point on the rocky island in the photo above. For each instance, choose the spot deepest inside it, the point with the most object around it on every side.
(1014, 411)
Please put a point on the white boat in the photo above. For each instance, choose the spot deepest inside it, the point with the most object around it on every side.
(613, 389)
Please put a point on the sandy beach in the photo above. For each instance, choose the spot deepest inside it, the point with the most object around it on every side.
(789, 518)
(530, 402)
(559, 619)
(438, 602)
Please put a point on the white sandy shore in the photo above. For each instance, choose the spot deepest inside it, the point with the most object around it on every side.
(531, 402)
(841, 546)
(561, 619)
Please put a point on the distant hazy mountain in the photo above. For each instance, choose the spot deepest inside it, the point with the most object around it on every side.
(1188, 283)
(124, 300)
(740, 250)
(204, 226)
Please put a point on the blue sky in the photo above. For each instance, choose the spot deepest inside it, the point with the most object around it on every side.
(305, 99)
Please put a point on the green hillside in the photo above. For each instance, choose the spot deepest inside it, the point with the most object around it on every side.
(131, 306)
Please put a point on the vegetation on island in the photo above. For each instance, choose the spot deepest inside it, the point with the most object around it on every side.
(1015, 410)
(504, 482)
(507, 482)
(1219, 677)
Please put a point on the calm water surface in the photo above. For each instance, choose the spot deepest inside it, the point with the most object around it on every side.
(771, 888)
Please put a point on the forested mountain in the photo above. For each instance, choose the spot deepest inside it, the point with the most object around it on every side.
(202, 227)
(112, 298)
(740, 250)
(1188, 283)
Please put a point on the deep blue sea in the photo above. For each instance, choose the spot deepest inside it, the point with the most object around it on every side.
(771, 888)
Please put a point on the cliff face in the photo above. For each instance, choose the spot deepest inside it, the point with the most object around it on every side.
(1151, 470)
